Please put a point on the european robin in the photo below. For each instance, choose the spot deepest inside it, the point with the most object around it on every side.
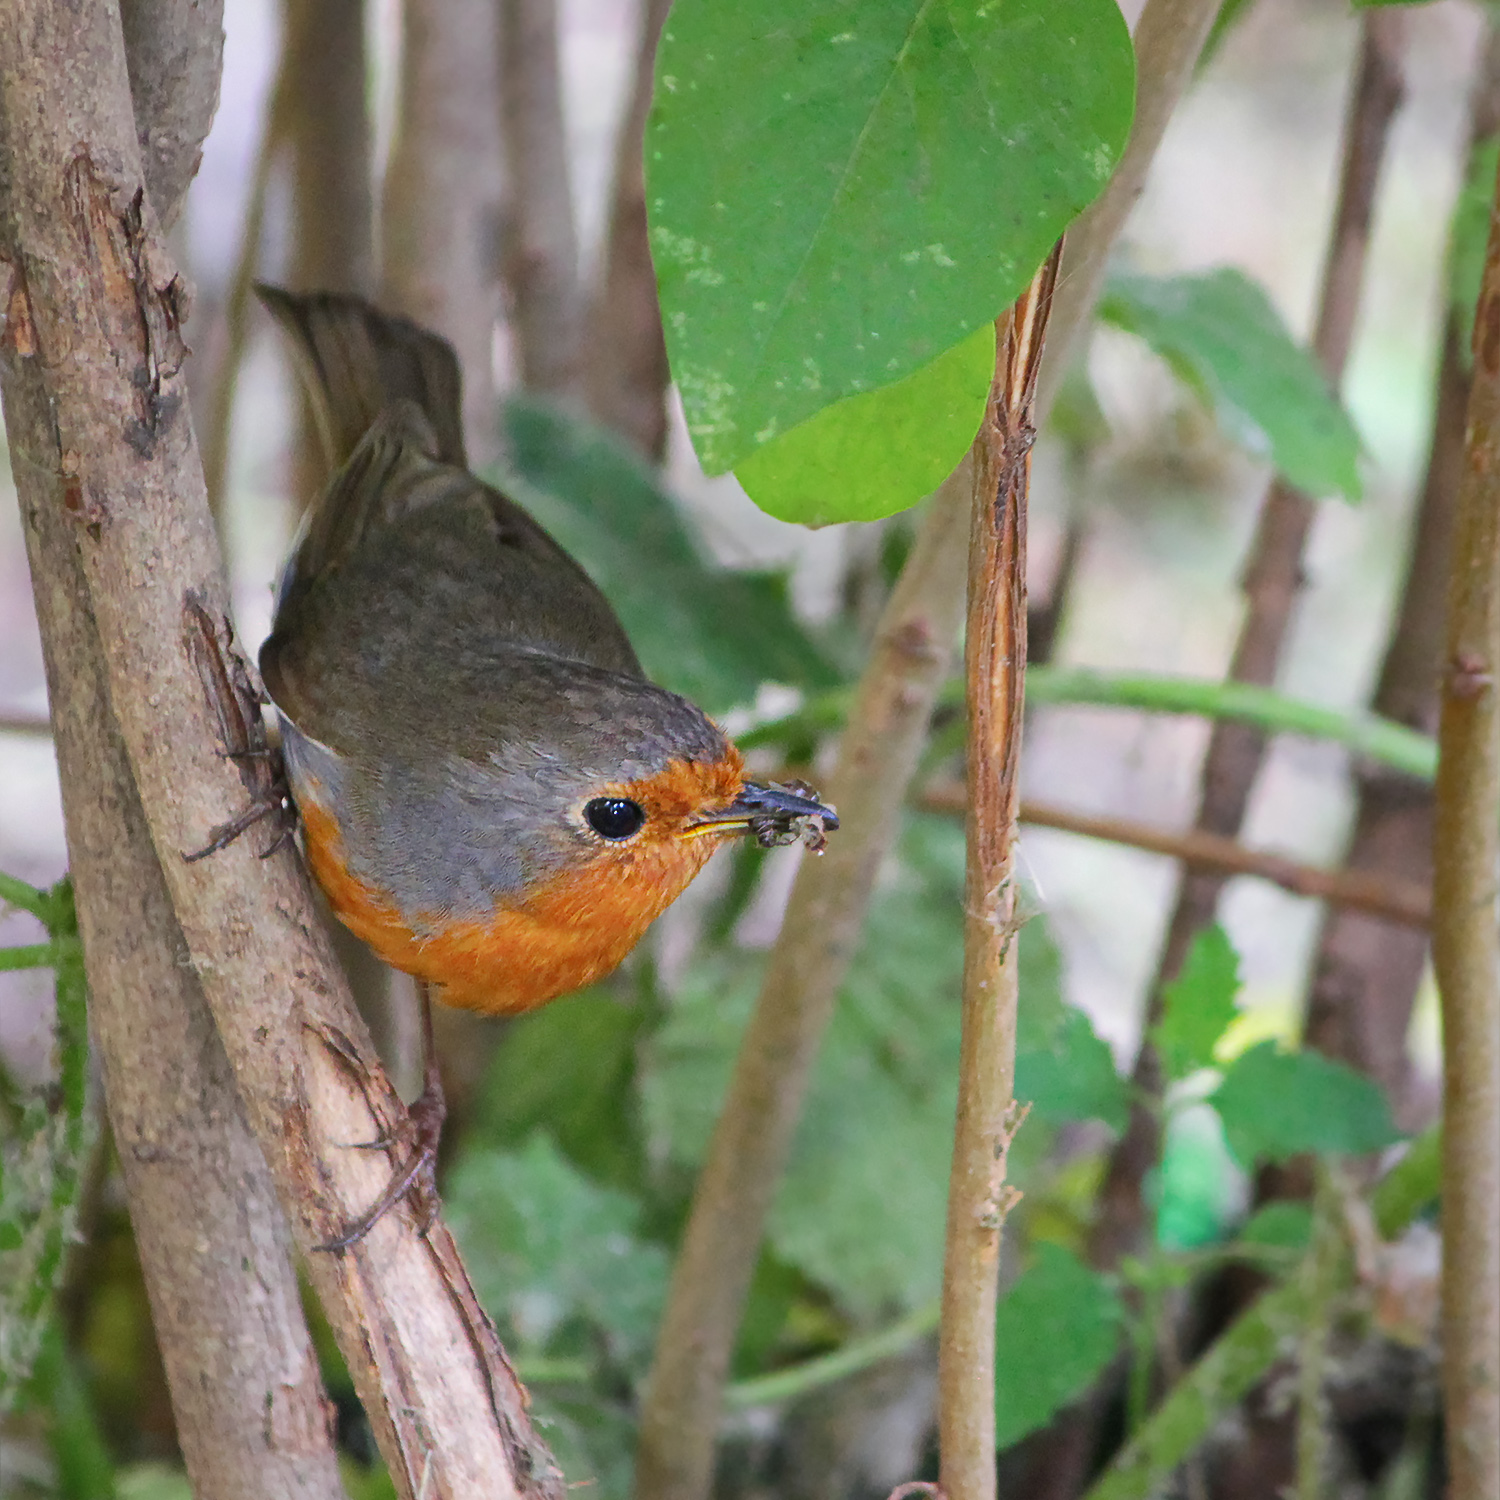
(492, 794)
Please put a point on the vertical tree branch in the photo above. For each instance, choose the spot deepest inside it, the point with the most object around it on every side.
(1465, 937)
(1366, 972)
(1273, 581)
(106, 452)
(625, 377)
(441, 199)
(995, 679)
(541, 240)
(174, 50)
(878, 757)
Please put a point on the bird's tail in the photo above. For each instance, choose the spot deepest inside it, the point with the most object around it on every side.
(357, 361)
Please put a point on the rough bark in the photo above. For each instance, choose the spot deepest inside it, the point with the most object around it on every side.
(1465, 934)
(251, 1416)
(625, 373)
(979, 1198)
(540, 253)
(174, 50)
(106, 463)
(441, 201)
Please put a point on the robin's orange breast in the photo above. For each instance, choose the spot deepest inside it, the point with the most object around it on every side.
(573, 929)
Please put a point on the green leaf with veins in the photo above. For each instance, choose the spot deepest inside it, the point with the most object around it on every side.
(1277, 1104)
(1220, 334)
(1198, 1005)
(839, 193)
(1055, 1330)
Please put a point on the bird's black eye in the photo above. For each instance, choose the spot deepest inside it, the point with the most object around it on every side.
(614, 817)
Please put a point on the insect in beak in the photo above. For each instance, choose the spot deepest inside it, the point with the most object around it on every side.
(775, 813)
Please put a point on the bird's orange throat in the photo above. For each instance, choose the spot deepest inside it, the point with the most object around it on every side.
(563, 934)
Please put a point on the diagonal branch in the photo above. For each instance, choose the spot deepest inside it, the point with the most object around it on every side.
(104, 451)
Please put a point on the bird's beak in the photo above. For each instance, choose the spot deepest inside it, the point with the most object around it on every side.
(774, 812)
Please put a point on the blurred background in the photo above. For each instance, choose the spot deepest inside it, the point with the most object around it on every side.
(357, 146)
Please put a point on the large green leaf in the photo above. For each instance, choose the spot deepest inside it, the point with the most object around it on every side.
(1276, 1104)
(1221, 335)
(710, 633)
(547, 1248)
(840, 192)
(872, 455)
(569, 1069)
(1073, 1076)
(1198, 1005)
(1055, 1330)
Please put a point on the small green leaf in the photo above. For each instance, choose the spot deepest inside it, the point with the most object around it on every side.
(1074, 1078)
(872, 455)
(837, 194)
(1468, 241)
(1279, 1226)
(1221, 335)
(1055, 1330)
(1198, 1005)
(1277, 1104)
(1411, 1186)
(712, 634)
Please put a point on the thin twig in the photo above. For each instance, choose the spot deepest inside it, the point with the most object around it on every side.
(1273, 582)
(1394, 900)
(1465, 940)
(995, 674)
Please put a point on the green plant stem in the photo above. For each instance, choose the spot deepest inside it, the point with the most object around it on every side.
(1465, 939)
(814, 1374)
(33, 956)
(1320, 1272)
(1381, 740)
(1391, 744)
(1232, 1366)
(23, 897)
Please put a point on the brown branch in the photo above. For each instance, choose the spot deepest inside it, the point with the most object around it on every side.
(1168, 39)
(1465, 941)
(995, 687)
(442, 192)
(174, 50)
(540, 260)
(625, 375)
(1366, 973)
(30, 726)
(1388, 898)
(878, 757)
(1273, 582)
(250, 1410)
(105, 463)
